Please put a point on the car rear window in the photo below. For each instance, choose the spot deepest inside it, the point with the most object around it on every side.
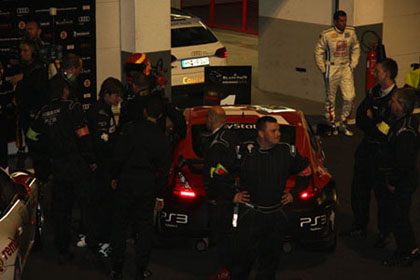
(190, 36)
(244, 132)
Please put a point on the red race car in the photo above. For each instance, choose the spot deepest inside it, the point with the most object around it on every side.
(312, 217)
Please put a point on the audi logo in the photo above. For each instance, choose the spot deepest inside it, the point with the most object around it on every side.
(23, 10)
(84, 19)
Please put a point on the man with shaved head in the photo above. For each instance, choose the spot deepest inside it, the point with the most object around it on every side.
(219, 181)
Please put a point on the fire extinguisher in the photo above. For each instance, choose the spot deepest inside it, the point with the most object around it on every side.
(376, 53)
(370, 68)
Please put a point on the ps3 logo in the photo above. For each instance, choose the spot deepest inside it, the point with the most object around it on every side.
(84, 19)
(22, 10)
(313, 222)
(175, 218)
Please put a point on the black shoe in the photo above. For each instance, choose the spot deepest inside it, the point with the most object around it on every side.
(354, 233)
(65, 257)
(399, 259)
(382, 240)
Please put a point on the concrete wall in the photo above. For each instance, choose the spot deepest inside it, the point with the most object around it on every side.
(289, 31)
(401, 33)
(107, 40)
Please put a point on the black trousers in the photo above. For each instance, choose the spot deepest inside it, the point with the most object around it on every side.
(134, 209)
(102, 205)
(403, 231)
(368, 177)
(221, 225)
(258, 237)
(71, 183)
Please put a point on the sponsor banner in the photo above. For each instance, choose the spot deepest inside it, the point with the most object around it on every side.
(68, 25)
(229, 81)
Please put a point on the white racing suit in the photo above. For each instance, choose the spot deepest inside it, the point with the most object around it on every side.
(337, 54)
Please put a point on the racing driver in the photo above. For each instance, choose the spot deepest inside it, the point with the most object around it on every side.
(337, 54)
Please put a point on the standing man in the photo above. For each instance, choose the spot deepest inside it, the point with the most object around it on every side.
(70, 70)
(266, 164)
(402, 181)
(60, 130)
(141, 168)
(219, 180)
(337, 54)
(373, 118)
(102, 127)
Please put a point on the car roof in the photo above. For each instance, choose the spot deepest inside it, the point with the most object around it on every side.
(180, 18)
(283, 114)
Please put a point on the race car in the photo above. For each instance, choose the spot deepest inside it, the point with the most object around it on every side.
(311, 217)
(20, 221)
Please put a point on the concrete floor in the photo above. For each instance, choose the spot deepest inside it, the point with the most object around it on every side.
(243, 50)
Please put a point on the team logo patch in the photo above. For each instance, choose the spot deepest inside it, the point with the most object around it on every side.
(346, 35)
(334, 35)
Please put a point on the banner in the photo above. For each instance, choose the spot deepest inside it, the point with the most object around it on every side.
(230, 84)
(68, 28)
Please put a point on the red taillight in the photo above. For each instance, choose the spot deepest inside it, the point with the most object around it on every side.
(222, 53)
(308, 194)
(173, 58)
(182, 187)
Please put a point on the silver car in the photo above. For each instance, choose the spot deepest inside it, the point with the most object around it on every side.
(20, 221)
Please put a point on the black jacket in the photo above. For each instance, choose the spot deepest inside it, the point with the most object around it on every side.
(31, 92)
(102, 127)
(404, 143)
(60, 129)
(381, 112)
(220, 165)
(264, 172)
(141, 159)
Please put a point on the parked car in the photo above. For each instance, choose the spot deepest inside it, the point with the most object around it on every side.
(20, 221)
(193, 46)
(311, 217)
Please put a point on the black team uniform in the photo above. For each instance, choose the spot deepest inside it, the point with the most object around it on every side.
(102, 127)
(259, 231)
(369, 156)
(60, 129)
(220, 168)
(404, 143)
(142, 167)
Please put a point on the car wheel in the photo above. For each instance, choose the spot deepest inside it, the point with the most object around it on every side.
(18, 270)
(39, 228)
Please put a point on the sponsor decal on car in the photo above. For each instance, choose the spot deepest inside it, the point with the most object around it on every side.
(9, 249)
(174, 218)
(314, 223)
(4, 13)
(86, 7)
(187, 81)
(70, 47)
